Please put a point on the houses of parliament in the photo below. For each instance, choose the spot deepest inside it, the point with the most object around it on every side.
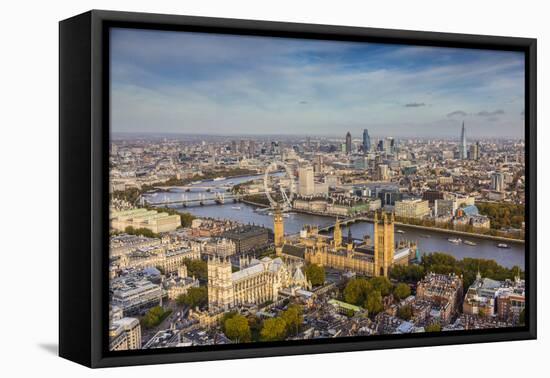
(366, 257)
(260, 281)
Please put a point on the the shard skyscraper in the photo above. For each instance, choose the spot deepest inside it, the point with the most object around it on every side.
(463, 151)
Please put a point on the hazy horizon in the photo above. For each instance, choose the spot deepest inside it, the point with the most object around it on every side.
(181, 82)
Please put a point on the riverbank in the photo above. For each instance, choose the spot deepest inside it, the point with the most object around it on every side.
(428, 228)
(462, 233)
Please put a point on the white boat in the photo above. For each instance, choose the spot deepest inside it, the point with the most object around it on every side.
(219, 178)
(285, 215)
(468, 242)
(503, 245)
(455, 240)
(400, 231)
(236, 207)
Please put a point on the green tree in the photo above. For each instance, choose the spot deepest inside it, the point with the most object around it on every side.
(315, 274)
(405, 312)
(186, 219)
(381, 284)
(434, 327)
(237, 329)
(140, 232)
(154, 316)
(293, 318)
(273, 330)
(195, 297)
(356, 291)
(226, 316)
(373, 304)
(407, 273)
(401, 291)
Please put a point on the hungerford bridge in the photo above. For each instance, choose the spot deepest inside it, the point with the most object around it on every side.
(201, 198)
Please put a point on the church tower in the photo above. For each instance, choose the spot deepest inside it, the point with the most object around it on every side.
(220, 285)
(278, 230)
(337, 234)
(383, 244)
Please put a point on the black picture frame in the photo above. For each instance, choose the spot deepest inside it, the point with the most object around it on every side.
(83, 181)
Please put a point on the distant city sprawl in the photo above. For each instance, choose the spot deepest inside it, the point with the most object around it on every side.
(237, 239)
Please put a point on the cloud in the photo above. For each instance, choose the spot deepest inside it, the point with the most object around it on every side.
(485, 113)
(461, 113)
(182, 82)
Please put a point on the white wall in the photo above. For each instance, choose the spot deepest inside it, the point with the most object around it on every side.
(28, 83)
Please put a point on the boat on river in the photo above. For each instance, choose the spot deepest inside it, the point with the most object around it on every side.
(219, 178)
(400, 231)
(455, 240)
(469, 242)
(503, 245)
(236, 207)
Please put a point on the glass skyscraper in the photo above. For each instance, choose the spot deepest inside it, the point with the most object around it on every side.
(366, 141)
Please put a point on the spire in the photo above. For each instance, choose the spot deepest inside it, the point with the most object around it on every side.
(337, 234)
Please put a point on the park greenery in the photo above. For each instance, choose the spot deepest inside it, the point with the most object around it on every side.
(273, 329)
(444, 264)
(407, 273)
(502, 215)
(293, 319)
(286, 324)
(195, 297)
(315, 274)
(368, 293)
(140, 232)
(154, 317)
(468, 267)
(401, 291)
(237, 328)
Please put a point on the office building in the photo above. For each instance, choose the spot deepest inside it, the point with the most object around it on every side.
(348, 143)
(125, 334)
(366, 141)
(412, 208)
(306, 185)
(497, 182)
(152, 220)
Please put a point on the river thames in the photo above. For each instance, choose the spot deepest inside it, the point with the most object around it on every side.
(427, 241)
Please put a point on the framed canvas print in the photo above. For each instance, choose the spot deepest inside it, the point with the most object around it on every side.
(234, 188)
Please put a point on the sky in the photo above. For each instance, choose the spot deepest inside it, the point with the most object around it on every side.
(198, 83)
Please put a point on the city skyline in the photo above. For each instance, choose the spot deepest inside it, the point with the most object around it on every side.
(232, 84)
(361, 138)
